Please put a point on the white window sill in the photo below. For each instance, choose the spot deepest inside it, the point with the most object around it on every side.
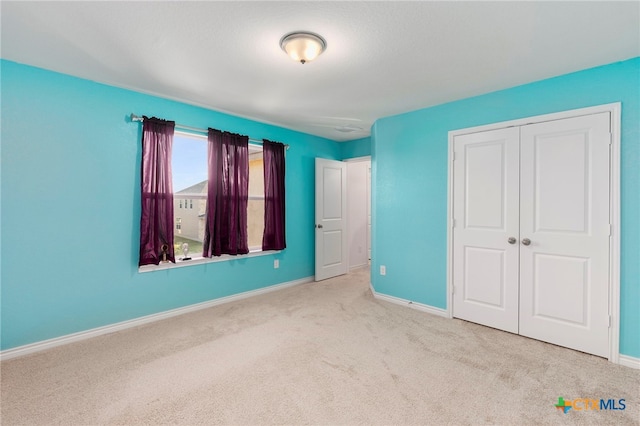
(203, 260)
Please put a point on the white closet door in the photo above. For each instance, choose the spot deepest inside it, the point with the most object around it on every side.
(485, 264)
(564, 212)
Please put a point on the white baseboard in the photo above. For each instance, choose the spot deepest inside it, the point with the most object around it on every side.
(408, 303)
(361, 266)
(112, 328)
(629, 361)
(626, 360)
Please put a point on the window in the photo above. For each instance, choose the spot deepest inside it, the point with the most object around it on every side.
(189, 172)
(255, 205)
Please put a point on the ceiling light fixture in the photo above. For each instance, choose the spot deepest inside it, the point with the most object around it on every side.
(303, 46)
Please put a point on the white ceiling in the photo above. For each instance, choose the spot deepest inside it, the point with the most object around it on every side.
(382, 58)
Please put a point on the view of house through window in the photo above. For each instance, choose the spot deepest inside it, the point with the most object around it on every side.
(255, 206)
(189, 171)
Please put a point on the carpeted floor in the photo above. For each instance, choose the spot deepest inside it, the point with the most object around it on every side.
(318, 353)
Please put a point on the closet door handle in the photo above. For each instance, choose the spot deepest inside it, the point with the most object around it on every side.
(511, 240)
(526, 241)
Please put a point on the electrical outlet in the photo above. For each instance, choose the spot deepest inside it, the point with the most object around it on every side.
(276, 263)
(383, 270)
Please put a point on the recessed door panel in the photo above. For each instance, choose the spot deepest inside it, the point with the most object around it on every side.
(561, 289)
(331, 205)
(561, 181)
(332, 247)
(484, 181)
(484, 277)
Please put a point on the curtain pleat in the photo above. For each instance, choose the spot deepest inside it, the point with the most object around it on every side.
(274, 196)
(156, 220)
(227, 194)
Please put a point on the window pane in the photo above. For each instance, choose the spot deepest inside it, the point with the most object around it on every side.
(255, 213)
(255, 222)
(189, 171)
(256, 175)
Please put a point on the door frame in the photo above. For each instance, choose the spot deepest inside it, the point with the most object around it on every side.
(356, 160)
(614, 207)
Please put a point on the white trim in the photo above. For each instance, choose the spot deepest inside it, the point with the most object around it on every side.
(112, 328)
(204, 260)
(629, 361)
(410, 304)
(561, 115)
(357, 159)
(450, 225)
(360, 266)
(614, 239)
(614, 248)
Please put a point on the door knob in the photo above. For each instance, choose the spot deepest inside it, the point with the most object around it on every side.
(320, 226)
(526, 241)
(511, 240)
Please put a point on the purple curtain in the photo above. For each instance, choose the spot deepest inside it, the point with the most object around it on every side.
(156, 221)
(227, 195)
(274, 224)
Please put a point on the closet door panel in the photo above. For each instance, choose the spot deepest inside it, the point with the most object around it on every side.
(485, 264)
(564, 213)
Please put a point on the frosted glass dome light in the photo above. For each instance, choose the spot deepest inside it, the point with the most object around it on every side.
(303, 46)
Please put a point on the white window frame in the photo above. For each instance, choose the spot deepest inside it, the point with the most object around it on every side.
(199, 260)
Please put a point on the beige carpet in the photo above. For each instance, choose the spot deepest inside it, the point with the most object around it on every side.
(318, 353)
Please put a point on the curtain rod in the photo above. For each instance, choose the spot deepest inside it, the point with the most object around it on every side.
(195, 129)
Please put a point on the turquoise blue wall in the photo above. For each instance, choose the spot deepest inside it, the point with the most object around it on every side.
(356, 148)
(409, 158)
(70, 177)
(70, 208)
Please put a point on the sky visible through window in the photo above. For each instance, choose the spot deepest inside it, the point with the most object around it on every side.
(188, 162)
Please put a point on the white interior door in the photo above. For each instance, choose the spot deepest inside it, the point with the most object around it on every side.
(331, 219)
(485, 260)
(564, 213)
